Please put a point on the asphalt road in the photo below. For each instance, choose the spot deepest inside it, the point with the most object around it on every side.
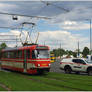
(55, 67)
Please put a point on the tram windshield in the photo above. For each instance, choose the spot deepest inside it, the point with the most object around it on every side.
(42, 54)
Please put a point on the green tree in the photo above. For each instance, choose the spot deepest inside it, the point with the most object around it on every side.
(3, 46)
(58, 52)
(85, 51)
(74, 54)
(69, 52)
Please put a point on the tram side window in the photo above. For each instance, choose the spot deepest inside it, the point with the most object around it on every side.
(19, 55)
(15, 54)
(0, 55)
(11, 54)
(33, 55)
(28, 53)
(8, 55)
(4, 54)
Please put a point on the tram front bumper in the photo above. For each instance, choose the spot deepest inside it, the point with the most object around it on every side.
(43, 69)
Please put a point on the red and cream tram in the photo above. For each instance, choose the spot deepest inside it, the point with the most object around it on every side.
(31, 59)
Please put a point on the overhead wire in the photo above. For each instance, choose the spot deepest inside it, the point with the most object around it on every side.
(24, 15)
(47, 3)
(21, 28)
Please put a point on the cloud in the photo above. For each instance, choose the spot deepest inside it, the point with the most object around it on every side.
(66, 20)
(10, 37)
(67, 39)
(4, 7)
(21, 8)
(74, 25)
(53, 39)
(78, 11)
(15, 32)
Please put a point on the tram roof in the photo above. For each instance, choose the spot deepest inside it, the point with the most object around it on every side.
(22, 47)
(17, 48)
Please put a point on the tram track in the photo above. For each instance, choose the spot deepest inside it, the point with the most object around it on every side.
(53, 84)
(52, 78)
(73, 78)
(54, 81)
(64, 80)
(5, 87)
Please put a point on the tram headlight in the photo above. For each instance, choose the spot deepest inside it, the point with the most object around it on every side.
(33, 65)
(38, 65)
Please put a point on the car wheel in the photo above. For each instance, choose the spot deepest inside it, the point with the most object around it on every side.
(90, 72)
(68, 70)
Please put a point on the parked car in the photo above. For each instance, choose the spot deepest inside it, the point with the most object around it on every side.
(76, 65)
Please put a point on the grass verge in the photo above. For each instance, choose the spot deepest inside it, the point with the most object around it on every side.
(49, 82)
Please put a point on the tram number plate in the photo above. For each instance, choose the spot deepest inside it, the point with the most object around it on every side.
(44, 64)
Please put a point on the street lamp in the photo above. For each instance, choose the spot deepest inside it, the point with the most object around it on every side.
(78, 49)
(90, 37)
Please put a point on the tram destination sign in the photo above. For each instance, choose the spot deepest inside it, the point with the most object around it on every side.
(41, 47)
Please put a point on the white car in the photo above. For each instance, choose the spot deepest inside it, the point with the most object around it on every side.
(76, 65)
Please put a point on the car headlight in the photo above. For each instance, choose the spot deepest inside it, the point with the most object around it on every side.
(49, 64)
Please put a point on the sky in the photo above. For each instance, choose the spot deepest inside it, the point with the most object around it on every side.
(69, 22)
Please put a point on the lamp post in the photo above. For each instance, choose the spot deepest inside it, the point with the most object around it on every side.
(60, 50)
(78, 49)
(90, 39)
(90, 52)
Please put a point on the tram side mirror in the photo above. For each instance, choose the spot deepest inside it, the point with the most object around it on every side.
(35, 51)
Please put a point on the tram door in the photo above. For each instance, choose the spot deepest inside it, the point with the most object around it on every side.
(26, 57)
(25, 60)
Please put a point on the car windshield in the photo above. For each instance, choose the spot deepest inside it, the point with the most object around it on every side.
(89, 61)
(42, 53)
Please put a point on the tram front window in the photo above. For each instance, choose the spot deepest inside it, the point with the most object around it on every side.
(42, 54)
